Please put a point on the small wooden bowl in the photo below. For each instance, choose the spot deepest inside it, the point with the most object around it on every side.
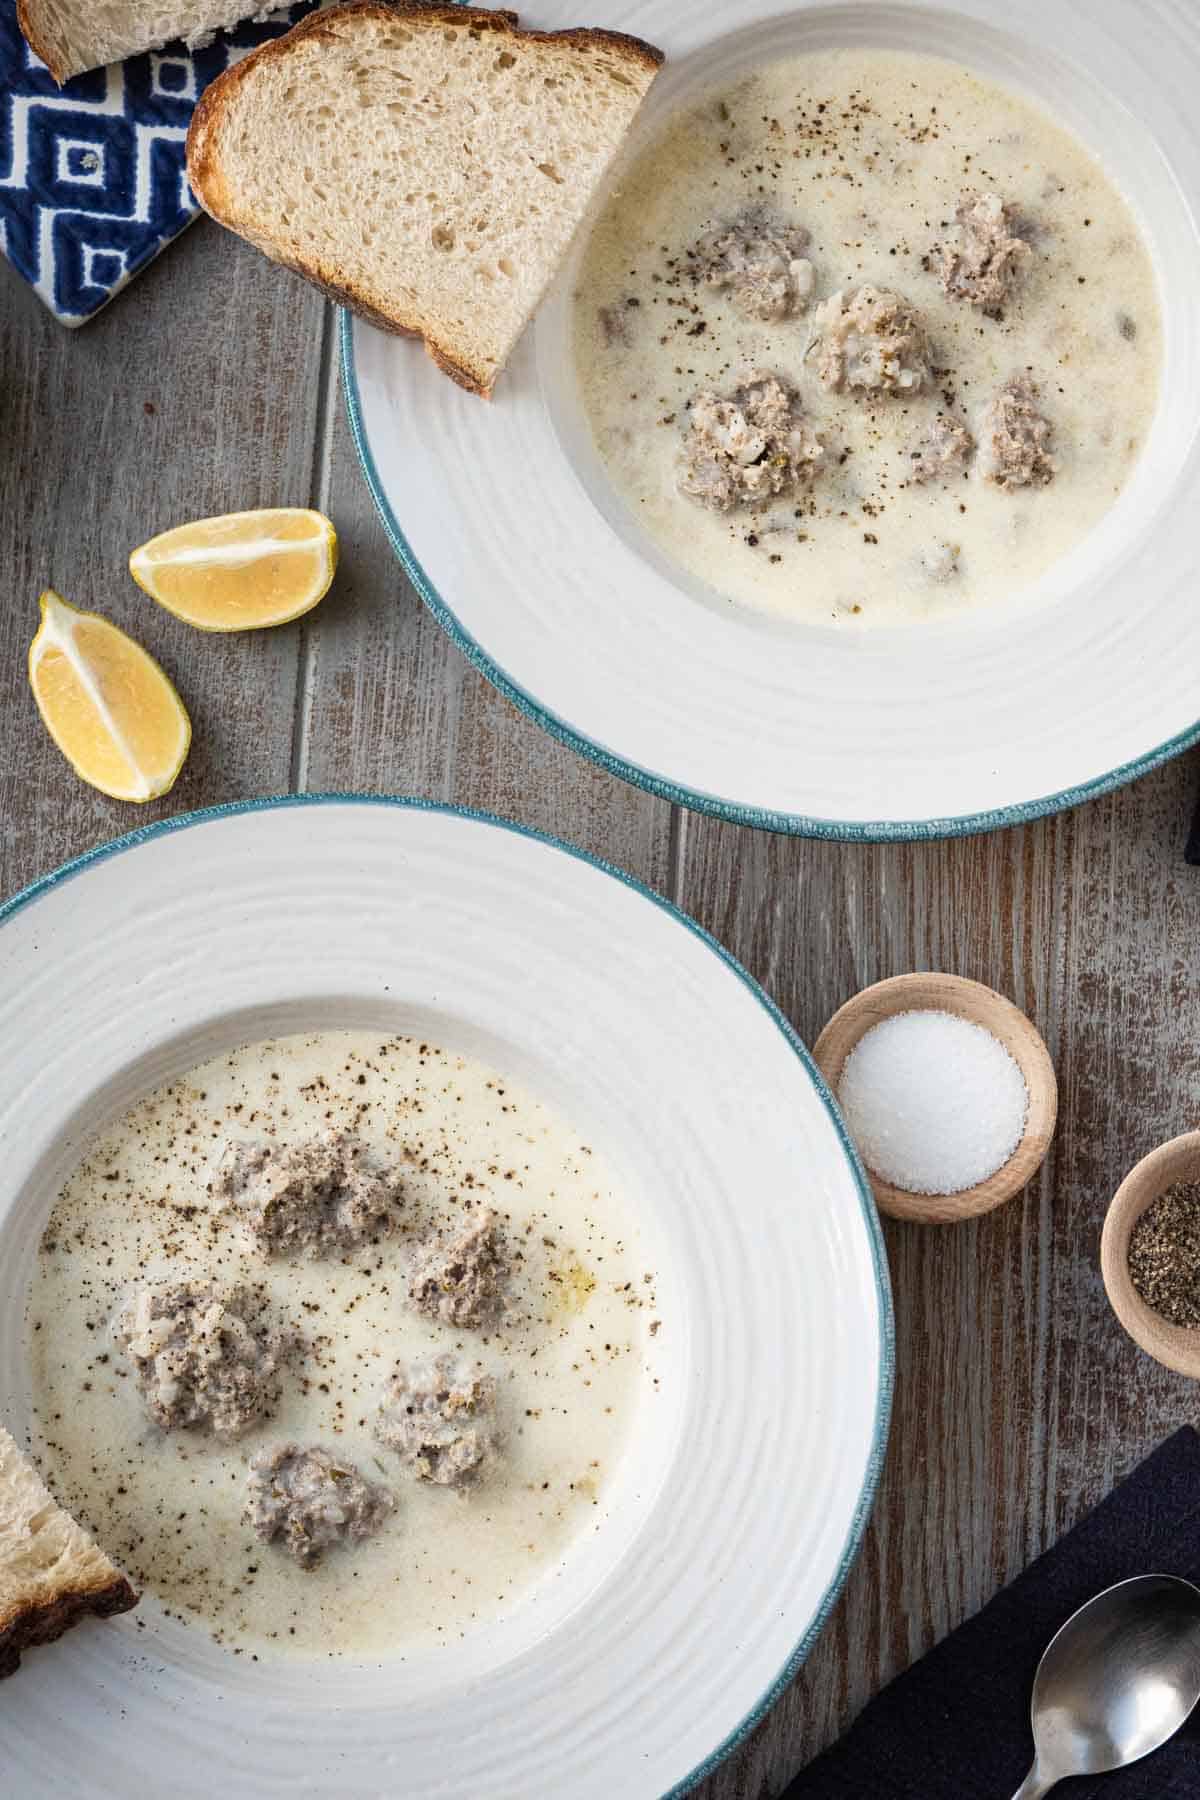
(1177, 1346)
(981, 1006)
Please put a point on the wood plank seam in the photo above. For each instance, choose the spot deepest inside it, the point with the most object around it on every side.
(308, 659)
(677, 837)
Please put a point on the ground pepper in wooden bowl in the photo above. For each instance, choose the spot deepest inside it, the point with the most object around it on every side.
(1164, 1254)
(1150, 1253)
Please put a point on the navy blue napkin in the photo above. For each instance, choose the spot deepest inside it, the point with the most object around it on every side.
(956, 1725)
(92, 177)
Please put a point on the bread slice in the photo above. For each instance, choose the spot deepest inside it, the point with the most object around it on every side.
(424, 164)
(73, 35)
(51, 1573)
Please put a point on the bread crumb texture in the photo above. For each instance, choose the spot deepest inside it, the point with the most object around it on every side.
(51, 1573)
(73, 35)
(426, 165)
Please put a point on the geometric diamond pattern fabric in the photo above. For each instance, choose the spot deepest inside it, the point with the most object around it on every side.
(92, 178)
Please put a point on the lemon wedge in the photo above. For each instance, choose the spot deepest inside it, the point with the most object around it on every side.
(106, 703)
(240, 572)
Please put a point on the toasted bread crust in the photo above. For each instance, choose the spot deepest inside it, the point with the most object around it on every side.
(344, 293)
(203, 157)
(40, 47)
(32, 1625)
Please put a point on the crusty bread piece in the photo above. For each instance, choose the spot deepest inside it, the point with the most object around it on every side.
(424, 164)
(51, 1573)
(73, 35)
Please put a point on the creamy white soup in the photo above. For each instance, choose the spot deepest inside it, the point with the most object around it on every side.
(565, 1355)
(952, 301)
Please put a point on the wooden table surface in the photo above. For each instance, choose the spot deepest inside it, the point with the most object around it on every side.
(212, 385)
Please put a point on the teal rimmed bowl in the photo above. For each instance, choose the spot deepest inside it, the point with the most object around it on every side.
(739, 1505)
(502, 520)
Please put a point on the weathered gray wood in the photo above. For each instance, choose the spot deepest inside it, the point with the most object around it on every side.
(193, 393)
(1019, 1402)
(395, 708)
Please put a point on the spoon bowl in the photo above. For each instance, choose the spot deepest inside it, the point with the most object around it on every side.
(1116, 1681)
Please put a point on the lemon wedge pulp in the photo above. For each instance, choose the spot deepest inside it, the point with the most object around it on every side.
(106, 703)
(240, 572)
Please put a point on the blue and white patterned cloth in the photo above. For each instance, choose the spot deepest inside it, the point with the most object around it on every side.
(92, 177)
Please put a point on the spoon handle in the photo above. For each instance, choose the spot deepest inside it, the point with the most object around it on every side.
(1035, 1785)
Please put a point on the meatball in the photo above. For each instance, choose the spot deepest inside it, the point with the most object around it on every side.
(1015, 439)
(989, 255)
(747, 446)
(438, 1415)
(311, 1499)
(870, 338)
(941, 451)
(460, 1277)
(760, 260)
(316, 1199)
(202, 1358)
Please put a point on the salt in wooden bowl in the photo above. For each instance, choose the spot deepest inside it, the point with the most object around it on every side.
(979, 1005)
(1176, 1346)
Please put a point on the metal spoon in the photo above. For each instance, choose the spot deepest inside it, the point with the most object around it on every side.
(1116, 1681)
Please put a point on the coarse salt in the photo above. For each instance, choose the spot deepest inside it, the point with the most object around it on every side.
(934, 1103)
